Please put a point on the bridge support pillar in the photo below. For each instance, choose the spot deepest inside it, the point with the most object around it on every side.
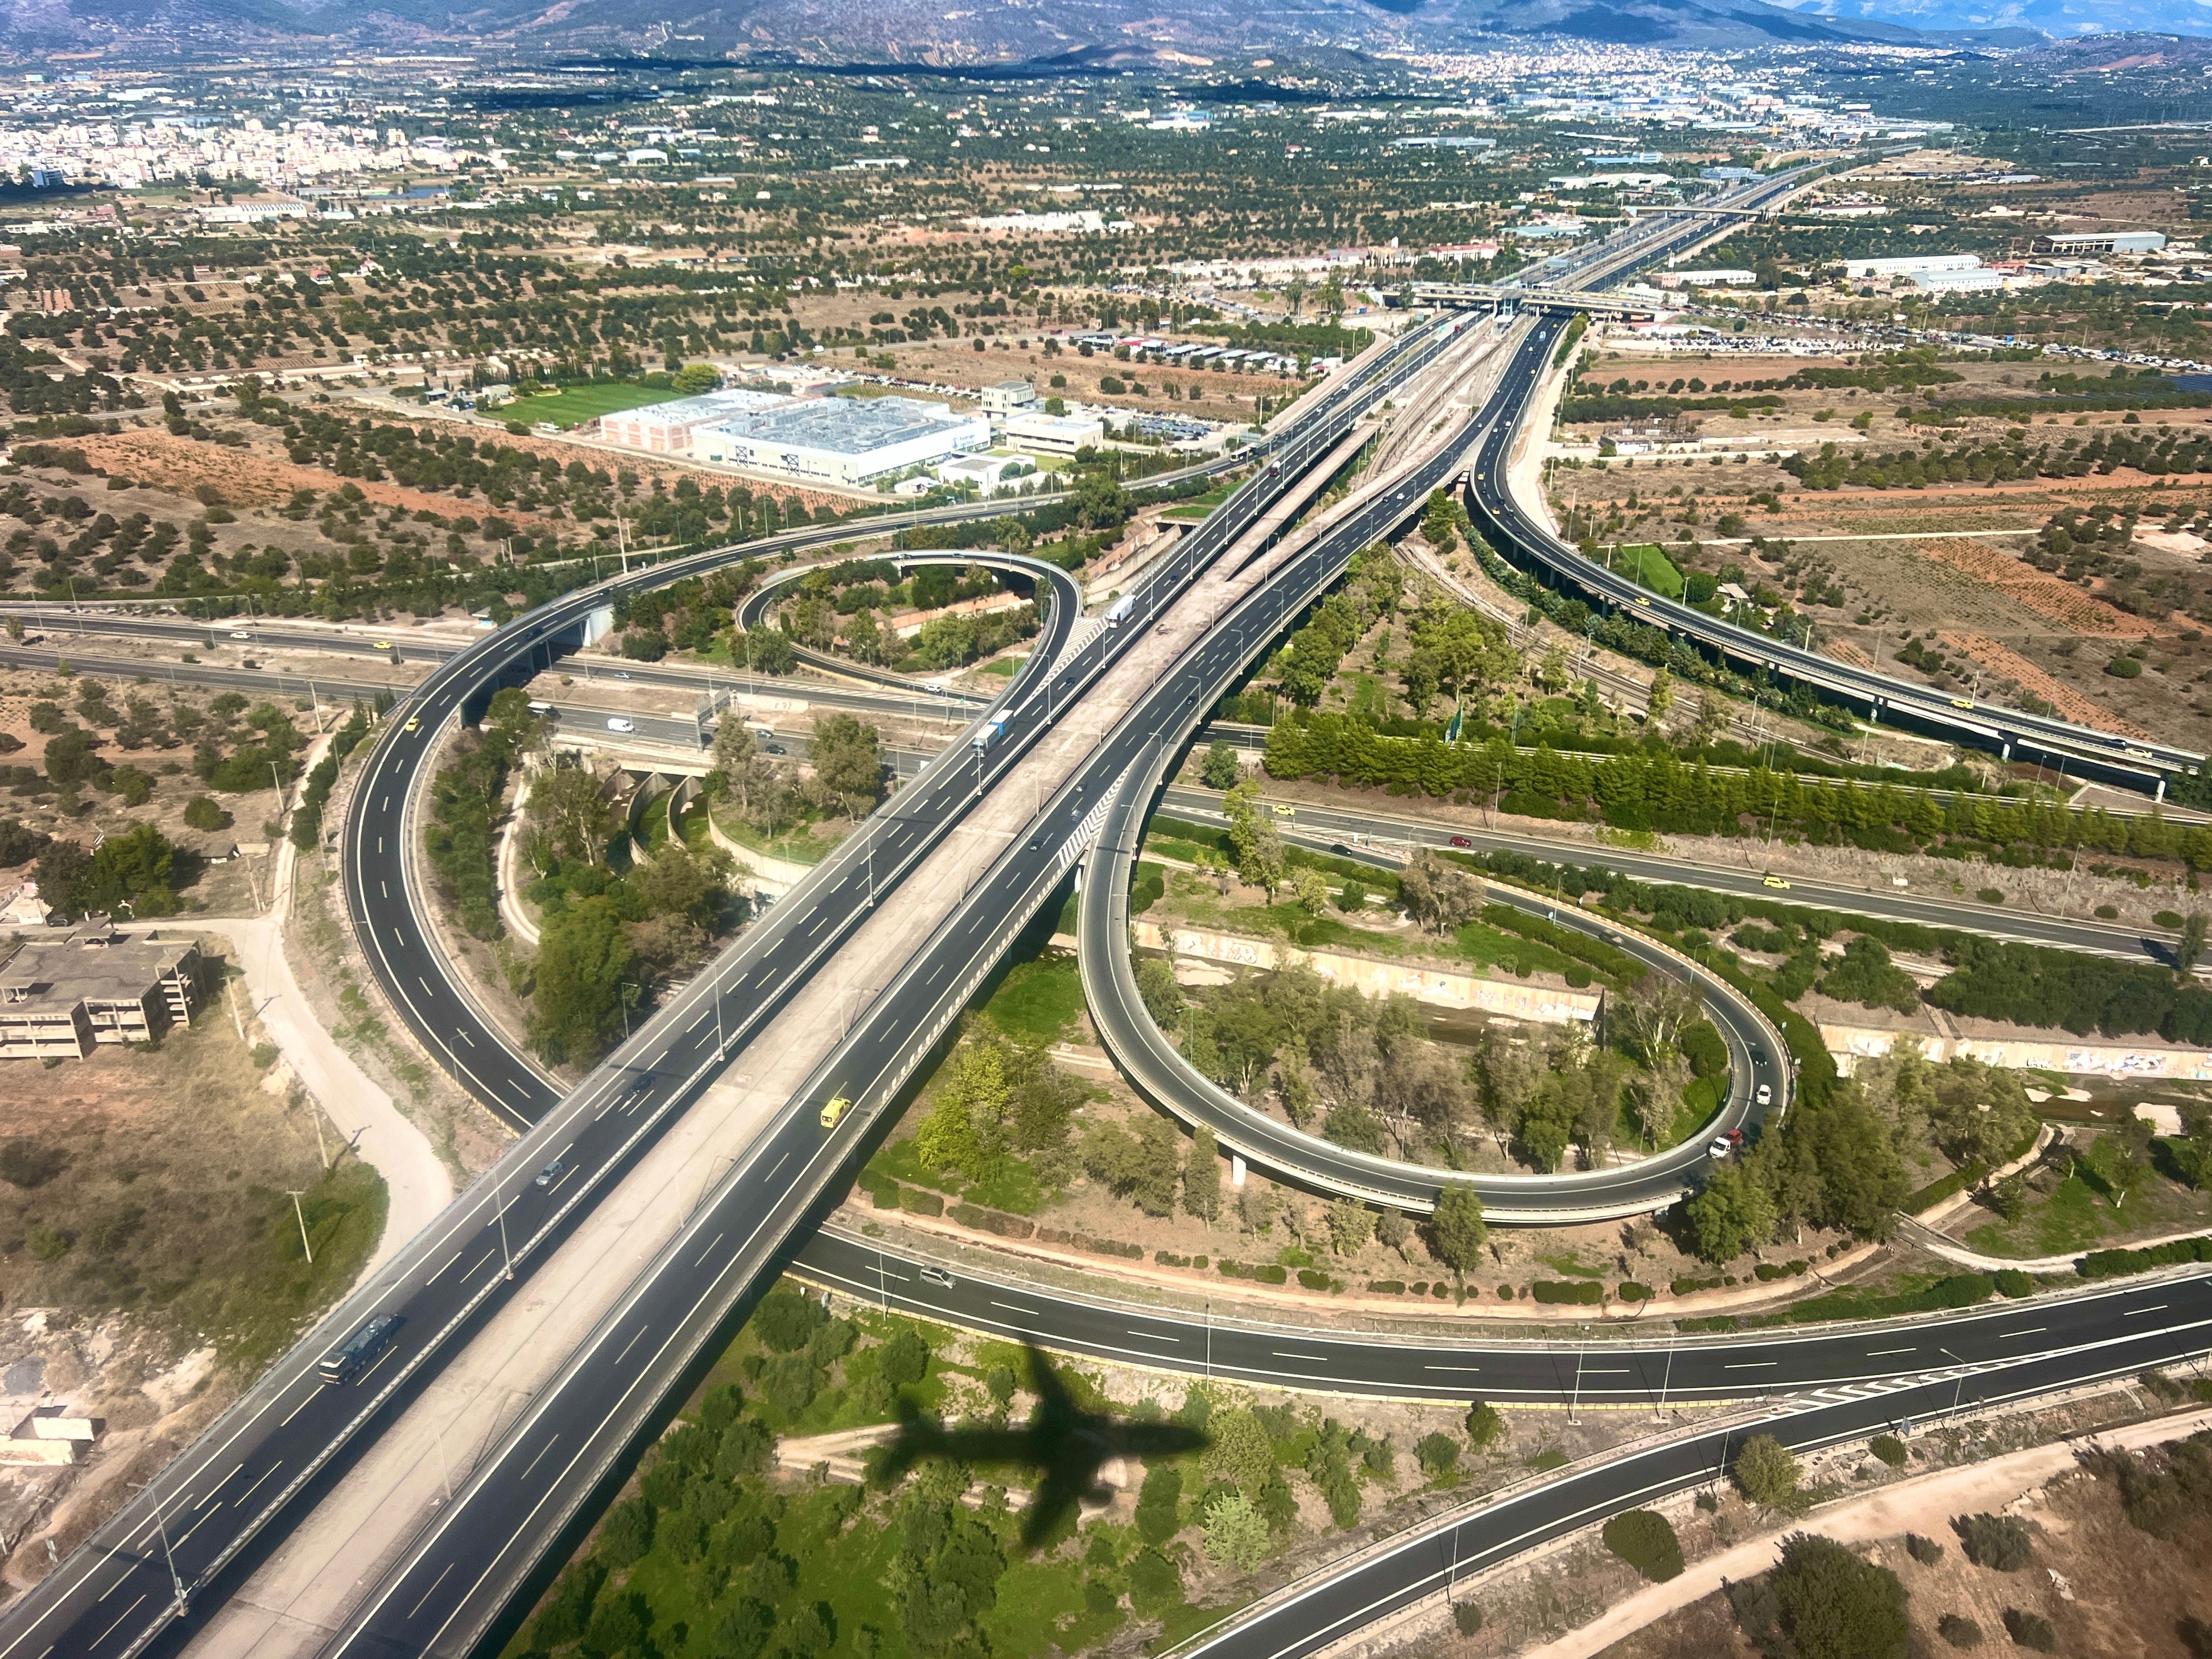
(1236, 1168)
(2160, 795)
(2007, 753)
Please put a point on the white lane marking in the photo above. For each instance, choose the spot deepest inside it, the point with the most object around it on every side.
(110, 1630)
(534, 1461)
(312, 1396)
(1754, 1365)
(2131, 1312)
(431, 1592)
(1884, 1353)
(1026, 1313)
(2032, 1330)
(627, 1346)
(1623, 1371)
(1469, 1370)
(709, 1250)
(256, 1486)
(1153, 1336)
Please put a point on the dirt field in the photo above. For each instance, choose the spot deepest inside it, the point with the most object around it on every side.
(150, 1253)
(2107, 1588)
(1930, 577)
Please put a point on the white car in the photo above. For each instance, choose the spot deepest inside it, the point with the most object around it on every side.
(1765, 1095)
(615, 723)
(1720, 1149)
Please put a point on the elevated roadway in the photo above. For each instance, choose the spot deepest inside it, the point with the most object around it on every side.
(1522, 529)
(289, 1434)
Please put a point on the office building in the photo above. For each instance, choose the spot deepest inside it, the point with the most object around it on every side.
(1056, 434)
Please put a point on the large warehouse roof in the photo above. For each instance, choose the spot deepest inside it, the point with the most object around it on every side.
(845, 425)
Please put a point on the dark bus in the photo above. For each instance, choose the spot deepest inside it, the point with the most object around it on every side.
(345, 1362)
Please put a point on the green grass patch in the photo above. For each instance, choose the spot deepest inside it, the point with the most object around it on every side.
(798, 846)
(1492, 947)
(1572, 1268)
(1038, 1000)
(1291, 921)
(1005, 667)
(1651, 568)
(572, 406)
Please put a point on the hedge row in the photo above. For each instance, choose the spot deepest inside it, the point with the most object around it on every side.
(1967, 1176)
(1094, 1246)
(1580, 1292)
(2104, 1264)
(1265, 1273)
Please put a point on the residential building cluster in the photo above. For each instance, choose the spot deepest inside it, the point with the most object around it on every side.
(179, 149)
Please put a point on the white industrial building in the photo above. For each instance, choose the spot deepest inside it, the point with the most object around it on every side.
(1917, 265)
(990, 474)
(843, 441)
(1056, 434)
(667, 428)
(2101, 241)
(1959, 282)
(1720, 278)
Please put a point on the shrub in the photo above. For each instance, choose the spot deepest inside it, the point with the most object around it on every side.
(1989, 895)
(1631, 1291)
(1645, 1540)
(629, 1533)
(1890, 1450)
(1485, 1426)
(2123, 668)
(1959, 1631)
(1834, 1606)
(27, 1163)
(202, 813)
(2168, 919)
(1765, 1472)
(1159, 1504)
(1467, 1616)
(2011, 1281)
(903, 1359)
(1392, 1288)
(1926, 1551)
(2030, 1630)
(1313, 1278)
(1270, 1273)
(1155, 1584)
(1999, 1542)
(1439, 1456)
(784, 1320)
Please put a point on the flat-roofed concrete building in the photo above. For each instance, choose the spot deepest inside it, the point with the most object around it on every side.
(1056, 434)
(844, 440)
(60, 995)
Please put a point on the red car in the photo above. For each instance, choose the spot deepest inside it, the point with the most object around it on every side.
(1460, 841)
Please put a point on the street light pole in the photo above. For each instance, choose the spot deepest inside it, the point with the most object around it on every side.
(301, 1216)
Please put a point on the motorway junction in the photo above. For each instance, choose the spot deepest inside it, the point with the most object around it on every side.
(548, 1319)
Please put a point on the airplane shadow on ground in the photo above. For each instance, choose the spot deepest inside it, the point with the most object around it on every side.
(1068, 1446)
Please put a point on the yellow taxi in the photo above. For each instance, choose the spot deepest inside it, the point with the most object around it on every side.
(836, 1110)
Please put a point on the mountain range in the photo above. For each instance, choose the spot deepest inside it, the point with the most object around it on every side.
(1064, 34)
